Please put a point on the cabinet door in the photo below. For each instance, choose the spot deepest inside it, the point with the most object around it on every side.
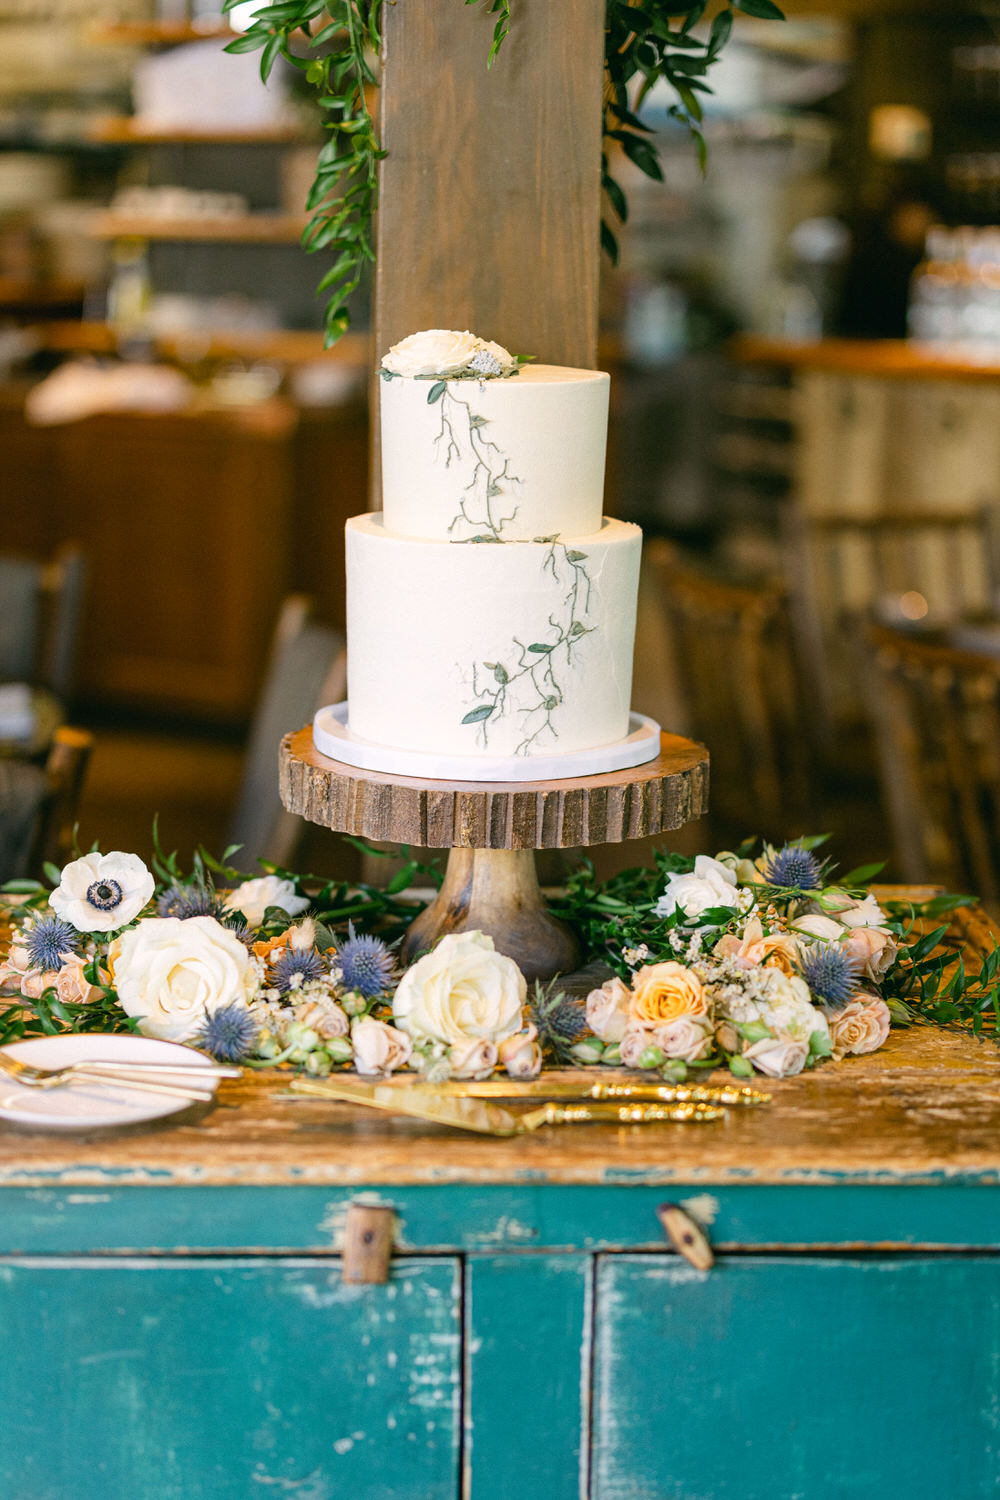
(795, 1378)
(228, 1379)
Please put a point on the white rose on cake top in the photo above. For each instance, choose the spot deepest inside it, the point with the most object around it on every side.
(445, 353)
(170, 972)
(463, 990)
(102, 891)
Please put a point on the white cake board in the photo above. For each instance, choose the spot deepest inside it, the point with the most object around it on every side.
(333, 736)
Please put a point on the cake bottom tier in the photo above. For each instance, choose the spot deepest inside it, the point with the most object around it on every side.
(492, 648)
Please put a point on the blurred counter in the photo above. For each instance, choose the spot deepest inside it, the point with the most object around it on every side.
(882, 426)
(897, 358)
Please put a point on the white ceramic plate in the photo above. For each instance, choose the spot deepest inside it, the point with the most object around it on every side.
(89, 1105)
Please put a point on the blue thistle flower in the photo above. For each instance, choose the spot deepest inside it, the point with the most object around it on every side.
(48, 940)
(185, 901)
(234, 922)
(229, 1033)
(794, 868)
(293, 961)
(365, 964)
(831, 973)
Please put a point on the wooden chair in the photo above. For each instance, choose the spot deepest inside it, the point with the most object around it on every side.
(40, 606)
(307, 668)
(734, 663)
(936, 713)
(841, 570)
(39, 803)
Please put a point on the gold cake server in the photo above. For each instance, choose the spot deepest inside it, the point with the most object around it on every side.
(653, 1093)
(423, 1102)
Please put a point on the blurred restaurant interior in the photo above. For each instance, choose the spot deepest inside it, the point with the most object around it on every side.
(804, 346)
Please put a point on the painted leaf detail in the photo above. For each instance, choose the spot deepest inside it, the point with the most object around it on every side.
(479, 714)
(477, 422)
(576, 556)
(436, 391)
(500, 673)
(540, 649)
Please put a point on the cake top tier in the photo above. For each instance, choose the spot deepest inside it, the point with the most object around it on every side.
(478, 446)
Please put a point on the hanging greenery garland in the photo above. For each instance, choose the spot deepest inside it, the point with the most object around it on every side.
(333, 42)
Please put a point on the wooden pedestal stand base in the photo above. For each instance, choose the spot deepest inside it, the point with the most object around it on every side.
(492, 830)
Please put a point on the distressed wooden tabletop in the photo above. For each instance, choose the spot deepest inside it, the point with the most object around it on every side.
(923, 1108)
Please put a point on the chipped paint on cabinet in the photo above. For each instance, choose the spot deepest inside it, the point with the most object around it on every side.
(791, 1378)
(225, 1379)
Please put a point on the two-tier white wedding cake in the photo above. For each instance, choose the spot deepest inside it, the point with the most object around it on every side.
(490, 606)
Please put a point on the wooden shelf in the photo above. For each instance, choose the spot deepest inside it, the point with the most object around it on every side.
(16, 293)
(129, 131)
(287, 346)
(251, 229)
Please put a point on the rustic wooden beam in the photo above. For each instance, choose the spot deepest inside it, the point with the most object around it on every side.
(490, 192)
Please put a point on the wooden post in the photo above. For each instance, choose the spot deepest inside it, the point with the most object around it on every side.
(490, 194)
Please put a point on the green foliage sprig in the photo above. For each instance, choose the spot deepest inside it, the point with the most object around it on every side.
(334, 44)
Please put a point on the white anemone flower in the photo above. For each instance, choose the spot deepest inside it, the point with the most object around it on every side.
(102, 892)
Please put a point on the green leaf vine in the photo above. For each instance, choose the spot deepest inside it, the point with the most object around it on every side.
(335, 43)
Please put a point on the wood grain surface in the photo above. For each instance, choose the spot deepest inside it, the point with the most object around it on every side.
(663, 794)
(927, 1106)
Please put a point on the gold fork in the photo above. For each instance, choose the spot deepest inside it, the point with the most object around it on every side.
(48, 1078)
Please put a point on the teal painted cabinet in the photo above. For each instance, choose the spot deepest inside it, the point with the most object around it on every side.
(224, 1379)
(779, 1378)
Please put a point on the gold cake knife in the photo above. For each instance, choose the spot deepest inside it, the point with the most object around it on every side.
(423, 1102)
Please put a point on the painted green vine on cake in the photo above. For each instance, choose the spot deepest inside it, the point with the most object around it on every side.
(490, 469)
(528, 683)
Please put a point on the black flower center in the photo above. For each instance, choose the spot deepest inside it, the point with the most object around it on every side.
(105, 895)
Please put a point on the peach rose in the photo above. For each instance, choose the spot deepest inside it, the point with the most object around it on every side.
(607, 1010)
(778, 1058)
(862, 1026)
(874, 949)
(688, 1038)
(521, 1055)
(633, 1045)
(378, 1047)
(37, 981)
(72, 986)
(662, 992)
(776, 951)
(472, 1058)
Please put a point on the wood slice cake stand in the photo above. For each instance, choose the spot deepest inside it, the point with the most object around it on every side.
(492, 830)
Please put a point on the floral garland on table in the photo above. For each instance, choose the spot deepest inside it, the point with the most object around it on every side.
(763, 965)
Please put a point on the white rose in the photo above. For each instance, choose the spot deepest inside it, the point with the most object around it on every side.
(253, 898)
(607, 1010)
(102, 891)
(786, 1006)
(777, 1058)
(171, 972)
(521, 1055)
(434, 351)
(816, 926)
(866, 913)
(709, 884)
(689, 1038)
(472, 1058)
(462, 989)
(378, 1047)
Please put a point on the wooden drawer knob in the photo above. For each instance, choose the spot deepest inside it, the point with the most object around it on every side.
(367, 1244)
(687, 1237)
